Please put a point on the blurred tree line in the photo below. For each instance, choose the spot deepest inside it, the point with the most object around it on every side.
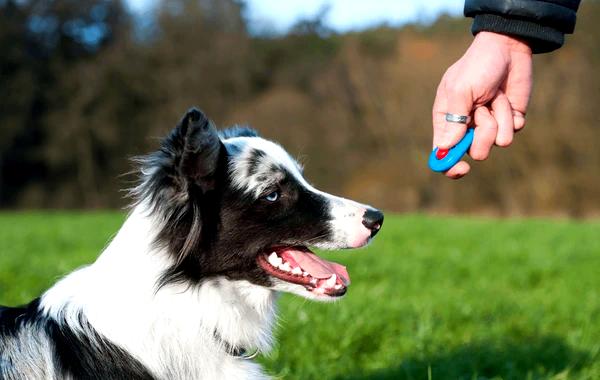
(83, 87)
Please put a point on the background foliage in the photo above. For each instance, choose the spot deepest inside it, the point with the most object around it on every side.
(84, 85)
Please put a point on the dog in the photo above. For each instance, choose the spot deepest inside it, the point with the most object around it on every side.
(221, 222)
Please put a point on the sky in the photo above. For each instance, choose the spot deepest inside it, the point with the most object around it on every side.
(343, 15)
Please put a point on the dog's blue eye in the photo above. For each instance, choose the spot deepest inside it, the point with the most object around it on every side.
(272, 197)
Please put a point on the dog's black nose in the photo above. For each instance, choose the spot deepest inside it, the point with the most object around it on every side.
(373, 220)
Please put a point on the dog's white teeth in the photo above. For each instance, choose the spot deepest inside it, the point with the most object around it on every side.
(275, 260)
(337, 287)
(313, 281)
(305, 274)
(297, 271)
(285, 267)
(331, 281)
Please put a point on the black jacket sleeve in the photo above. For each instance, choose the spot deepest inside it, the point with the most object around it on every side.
(542, 23)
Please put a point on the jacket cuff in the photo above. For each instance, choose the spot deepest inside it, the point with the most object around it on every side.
(541, 39)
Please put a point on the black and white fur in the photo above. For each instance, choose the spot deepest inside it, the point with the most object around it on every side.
(178, 289)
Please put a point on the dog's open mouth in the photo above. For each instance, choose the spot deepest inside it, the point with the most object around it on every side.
(299, 265)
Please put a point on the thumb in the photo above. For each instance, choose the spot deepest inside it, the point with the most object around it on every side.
(459, 102)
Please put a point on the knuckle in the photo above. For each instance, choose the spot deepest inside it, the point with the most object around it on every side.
(489, 125)
(479, 155)
(519, 123)
(503, 141)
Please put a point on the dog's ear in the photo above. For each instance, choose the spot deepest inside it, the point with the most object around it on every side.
(201, 149)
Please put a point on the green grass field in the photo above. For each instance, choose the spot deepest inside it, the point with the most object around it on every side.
(431, 298)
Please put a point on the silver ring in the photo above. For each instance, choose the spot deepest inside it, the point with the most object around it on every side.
(460, 119)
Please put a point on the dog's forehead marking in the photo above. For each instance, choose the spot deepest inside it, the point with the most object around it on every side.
(257, 164)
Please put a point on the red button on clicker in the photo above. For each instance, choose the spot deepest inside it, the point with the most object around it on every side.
(441, 153)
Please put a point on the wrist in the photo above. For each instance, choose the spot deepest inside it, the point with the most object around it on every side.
(514, 44)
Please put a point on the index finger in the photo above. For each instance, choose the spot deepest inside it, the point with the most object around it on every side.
(439, 113)
(458, 102)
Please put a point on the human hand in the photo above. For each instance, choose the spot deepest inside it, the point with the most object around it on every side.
(492, 83)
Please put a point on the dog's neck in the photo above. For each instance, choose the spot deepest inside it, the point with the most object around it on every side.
(178, 331)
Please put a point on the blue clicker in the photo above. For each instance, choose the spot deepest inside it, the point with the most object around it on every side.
(454, 154)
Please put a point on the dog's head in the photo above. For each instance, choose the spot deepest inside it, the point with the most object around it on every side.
(236, 205)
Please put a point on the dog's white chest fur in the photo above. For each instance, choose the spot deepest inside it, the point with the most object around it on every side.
(177, 331)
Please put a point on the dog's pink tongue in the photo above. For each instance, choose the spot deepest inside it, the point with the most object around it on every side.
(314, 265)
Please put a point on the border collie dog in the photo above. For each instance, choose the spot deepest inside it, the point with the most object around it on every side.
(221, 223)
